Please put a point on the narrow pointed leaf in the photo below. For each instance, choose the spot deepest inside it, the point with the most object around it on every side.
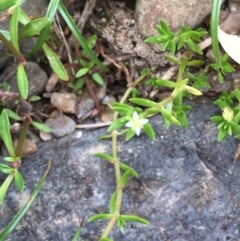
(149, 131)
(104, 156)
(14, 27)
(143, 102)
(100, 216)
(5, 133)
(22, 81)
(15, 221)
(125, 177)
(55, 63)
(34, 27)
(13, 115)
(97, 78)
(4, 188)
(5, 168)
(19, 182)
(41, 127)
(5, 4)
(133, 218)
(82, 72)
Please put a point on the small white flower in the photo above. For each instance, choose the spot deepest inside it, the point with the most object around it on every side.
(136, 123)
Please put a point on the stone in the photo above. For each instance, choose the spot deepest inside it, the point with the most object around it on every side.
(60, 125)
(188, 187)
(65, 102)
(176, 13)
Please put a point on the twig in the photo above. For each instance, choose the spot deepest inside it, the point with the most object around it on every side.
(95, 125)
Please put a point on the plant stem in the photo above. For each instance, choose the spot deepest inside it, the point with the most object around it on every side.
(11, 48)
(22, 137)
(119, 192)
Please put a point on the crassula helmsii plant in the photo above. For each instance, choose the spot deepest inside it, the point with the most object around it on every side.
(131, 114)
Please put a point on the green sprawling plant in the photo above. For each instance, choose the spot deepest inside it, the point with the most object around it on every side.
(38, 27)
(131, 114)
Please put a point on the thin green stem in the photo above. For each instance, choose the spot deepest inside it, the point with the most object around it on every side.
(114, 135)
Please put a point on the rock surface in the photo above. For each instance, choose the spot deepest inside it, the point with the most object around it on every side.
(176, 13)
(188, 187)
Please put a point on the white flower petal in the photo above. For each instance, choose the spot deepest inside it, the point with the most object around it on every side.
(137, 130)
(135, 115)
(129, 124)
(144, 121)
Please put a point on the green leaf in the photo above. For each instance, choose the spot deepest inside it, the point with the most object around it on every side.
(235, 127)
(23, 17)
(123, 110)
(77, 234)
(195, 63)
(52, 9)
(34, 27)
(4, 187)
(11, 159)
(222, 134)
(13, 115)
(117, 124)
(121, 224)
(5, 4)
(147, 128)
(55, 63)
(172, 59)
(6, 169)
(41, 39)
(130, 134)
(124, 178)
(169, 116)
(15, 221)
(5, 133)
(127, 168)
(166, 83)
(165, 27)
(105, 239)
(22, 81)
(97, 78)
(100, 216)
(19, 182)
(82, 72)
(75, 31)
(41, 127)
(143, 102)
(104, 156)
(152, 40)
(133, 218)
(112, 204)
(6, 34)
(215, 13)
(217, 119)
(179, 88)
(14, 27)
(35, 98)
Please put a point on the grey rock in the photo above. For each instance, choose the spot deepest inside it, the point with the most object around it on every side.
(188, 187)
(176, 13)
